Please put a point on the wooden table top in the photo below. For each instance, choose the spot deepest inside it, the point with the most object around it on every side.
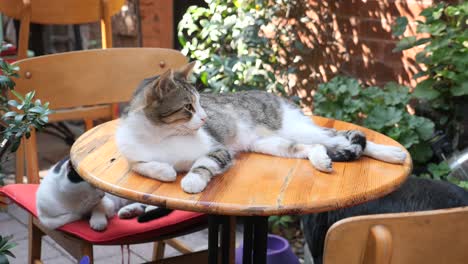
(256, 185)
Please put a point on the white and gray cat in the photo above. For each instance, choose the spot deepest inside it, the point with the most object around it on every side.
(64, 197)
(170, 127)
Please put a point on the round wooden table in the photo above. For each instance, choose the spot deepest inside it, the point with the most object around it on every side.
(257, 186)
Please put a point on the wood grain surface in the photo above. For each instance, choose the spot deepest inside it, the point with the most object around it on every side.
(256, 185)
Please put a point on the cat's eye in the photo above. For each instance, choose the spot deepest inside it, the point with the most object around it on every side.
(189, 107)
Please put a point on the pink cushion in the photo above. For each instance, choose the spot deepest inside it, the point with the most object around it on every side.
(119, 231)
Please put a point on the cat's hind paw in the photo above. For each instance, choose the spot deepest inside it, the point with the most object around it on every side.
(320, 160)
(385, 153)
(109, 207)
(193, 183)
(393, 155)
(131, 211)
(324, 164)
(150, 208)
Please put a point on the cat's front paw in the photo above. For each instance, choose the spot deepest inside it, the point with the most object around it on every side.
(193, 183)
(98, 223)
(156, 170)
(166, 173)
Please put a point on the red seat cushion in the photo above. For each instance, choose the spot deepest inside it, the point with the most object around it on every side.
(119, 231)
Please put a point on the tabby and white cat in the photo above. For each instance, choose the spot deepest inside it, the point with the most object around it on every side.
(170, 127)
(63, 197)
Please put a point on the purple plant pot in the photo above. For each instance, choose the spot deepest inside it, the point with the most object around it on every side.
(84, 260)
(278, 251)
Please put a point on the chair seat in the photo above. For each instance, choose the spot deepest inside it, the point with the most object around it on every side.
(119, 231)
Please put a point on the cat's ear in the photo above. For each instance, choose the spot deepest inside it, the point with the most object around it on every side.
(164, 83)
(186, 71)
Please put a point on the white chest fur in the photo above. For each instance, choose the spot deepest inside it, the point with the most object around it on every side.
(139, 141)
(181, 151)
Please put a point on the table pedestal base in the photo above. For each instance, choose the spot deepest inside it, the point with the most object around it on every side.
(255, 240)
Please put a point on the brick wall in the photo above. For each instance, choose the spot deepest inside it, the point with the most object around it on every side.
(354, 37)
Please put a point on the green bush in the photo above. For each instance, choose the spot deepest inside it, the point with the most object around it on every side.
(5, 247)
(381, 109)
(444, 88)
(19, 114)
(229, 40)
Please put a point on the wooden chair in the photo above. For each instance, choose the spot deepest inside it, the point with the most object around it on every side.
(57, 12)
(429, 237)
(84, 85)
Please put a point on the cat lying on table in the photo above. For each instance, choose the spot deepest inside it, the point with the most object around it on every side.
(170, 127)
(64, 197)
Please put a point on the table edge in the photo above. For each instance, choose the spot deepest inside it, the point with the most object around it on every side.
(236, 210)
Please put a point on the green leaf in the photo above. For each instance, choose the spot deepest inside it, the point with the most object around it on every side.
(29, 96)
(405, 43)
(36, 109)
(394, 133)
(425, 128)
(439, 171)
(420, 74)
(6, 82)
(15, 145)
(421, 152)
(460, 89)
(408, 138)
(13, 103)
(425, 90)
(9, 253)
(4, 259)
(19, 117)
(204, 78)
(378, 118)
(18, 95)
(396, 94)
(452, 11)
(433, 29)
(9, 114)
(400, 26)
(422, 41)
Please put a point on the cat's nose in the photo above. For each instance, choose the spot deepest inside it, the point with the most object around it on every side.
(203, 119)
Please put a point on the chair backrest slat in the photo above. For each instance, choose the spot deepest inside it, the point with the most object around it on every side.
(93, 77)
(429, 237)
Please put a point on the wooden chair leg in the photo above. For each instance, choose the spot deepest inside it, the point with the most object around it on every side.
(178, 245)
(3, 203)
(32, 163)
(20, 162)
(158, 250)
(35, 242)
(87, 250)
(88, 123)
